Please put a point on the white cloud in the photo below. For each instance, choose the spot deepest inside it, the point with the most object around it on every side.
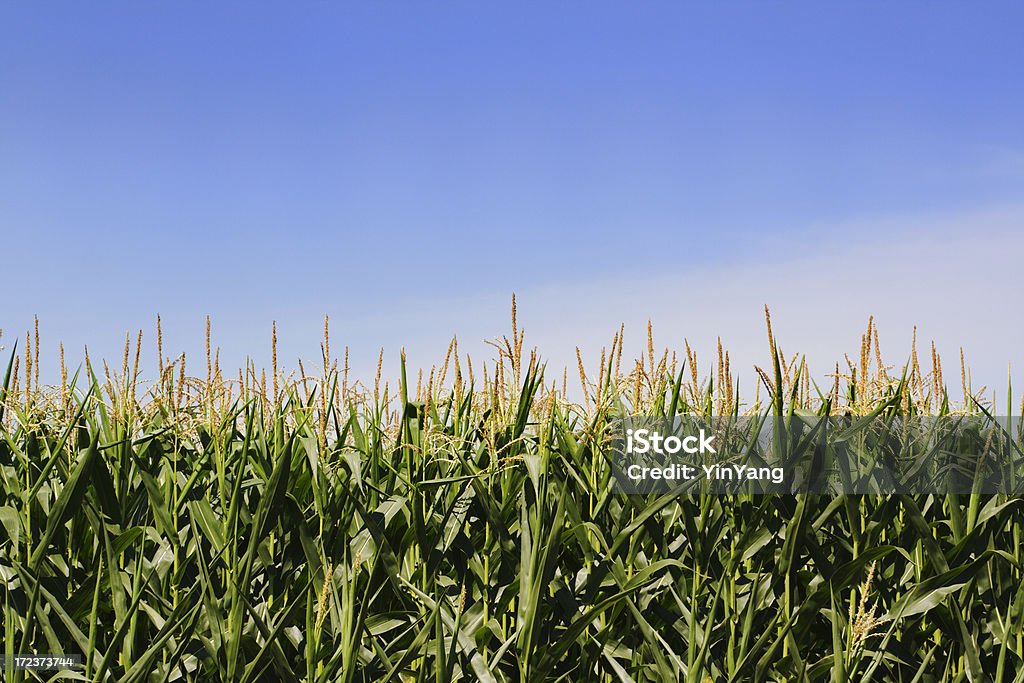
(957, 278)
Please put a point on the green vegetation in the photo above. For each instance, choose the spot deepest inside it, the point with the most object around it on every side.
(464, 527)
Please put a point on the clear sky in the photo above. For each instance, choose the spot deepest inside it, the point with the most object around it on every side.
(405, 166)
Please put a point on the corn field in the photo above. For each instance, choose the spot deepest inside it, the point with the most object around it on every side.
(461, 524)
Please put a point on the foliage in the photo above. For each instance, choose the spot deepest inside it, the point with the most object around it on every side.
(468, 530)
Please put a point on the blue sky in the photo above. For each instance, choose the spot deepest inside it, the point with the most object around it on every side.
(417, 162)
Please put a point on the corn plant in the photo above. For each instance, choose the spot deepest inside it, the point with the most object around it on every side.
(465, 526)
